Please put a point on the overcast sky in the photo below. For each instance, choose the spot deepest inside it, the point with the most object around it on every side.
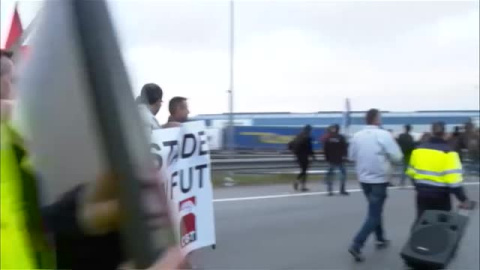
(300, 56)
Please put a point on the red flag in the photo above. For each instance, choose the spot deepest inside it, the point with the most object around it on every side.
(16, 29)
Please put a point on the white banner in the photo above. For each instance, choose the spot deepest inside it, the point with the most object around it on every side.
(184, 157)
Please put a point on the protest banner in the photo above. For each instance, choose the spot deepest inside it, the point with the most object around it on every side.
(183, 160)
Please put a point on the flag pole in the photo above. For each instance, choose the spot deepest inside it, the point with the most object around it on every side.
(231, 140)
(347, 118)
(231, 133)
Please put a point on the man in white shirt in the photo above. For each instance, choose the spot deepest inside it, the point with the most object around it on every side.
(373, 150)
(149, 103)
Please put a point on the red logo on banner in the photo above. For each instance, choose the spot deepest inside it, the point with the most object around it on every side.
(188, 227)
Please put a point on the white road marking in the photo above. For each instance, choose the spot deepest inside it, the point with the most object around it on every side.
(289, 195)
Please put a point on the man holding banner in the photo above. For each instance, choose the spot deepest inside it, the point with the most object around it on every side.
(179, 112)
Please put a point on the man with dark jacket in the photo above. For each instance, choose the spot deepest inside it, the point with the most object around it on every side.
(407, 144)
(455, 141)
(302, 148)
(335, 150)
(471, 143)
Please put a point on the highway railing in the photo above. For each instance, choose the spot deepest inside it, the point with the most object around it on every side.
(275, 162)
(246, 164)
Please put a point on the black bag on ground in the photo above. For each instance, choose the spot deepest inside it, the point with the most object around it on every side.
(434, 239)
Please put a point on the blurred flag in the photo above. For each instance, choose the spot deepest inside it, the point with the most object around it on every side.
(17, 35)
(16, 29)
(76, 75)
(346, 115)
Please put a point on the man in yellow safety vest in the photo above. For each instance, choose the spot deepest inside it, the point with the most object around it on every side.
(23, 243)
(436, 170)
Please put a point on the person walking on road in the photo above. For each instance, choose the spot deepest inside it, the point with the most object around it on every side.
(471, 142)
(302, 148)
(407, 144)
(437, 171)
(326, 135)
(335, 150)
(373, 150)
(455, 141)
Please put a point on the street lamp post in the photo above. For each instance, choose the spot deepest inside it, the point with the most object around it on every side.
(231, 140)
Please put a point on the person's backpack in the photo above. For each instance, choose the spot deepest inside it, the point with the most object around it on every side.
(293, 144)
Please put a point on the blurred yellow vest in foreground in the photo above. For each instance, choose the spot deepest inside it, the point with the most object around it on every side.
(23, 243)
(16, 252)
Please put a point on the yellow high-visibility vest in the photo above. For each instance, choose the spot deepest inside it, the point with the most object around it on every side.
(435, 166)
(23, 245)
(16, 251)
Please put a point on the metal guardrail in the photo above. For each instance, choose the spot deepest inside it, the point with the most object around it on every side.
(252, 164)
(268, 161)
(260, 164)
(258, 161)
(254, 155)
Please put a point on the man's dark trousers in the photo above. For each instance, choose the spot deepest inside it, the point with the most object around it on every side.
(331, 174)
(303, 163)
(425, 203)
(376, 195)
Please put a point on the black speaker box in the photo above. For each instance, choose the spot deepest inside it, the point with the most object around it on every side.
(434, 239)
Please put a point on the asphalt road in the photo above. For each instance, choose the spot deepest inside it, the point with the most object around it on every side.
(271, 227)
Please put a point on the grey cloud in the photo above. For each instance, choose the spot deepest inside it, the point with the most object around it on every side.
(178, 24)
(346, 22)
(302, 54)
(205, 24)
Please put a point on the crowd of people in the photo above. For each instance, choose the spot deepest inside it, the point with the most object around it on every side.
(85, 221)
(433, 164)
(463, 140)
